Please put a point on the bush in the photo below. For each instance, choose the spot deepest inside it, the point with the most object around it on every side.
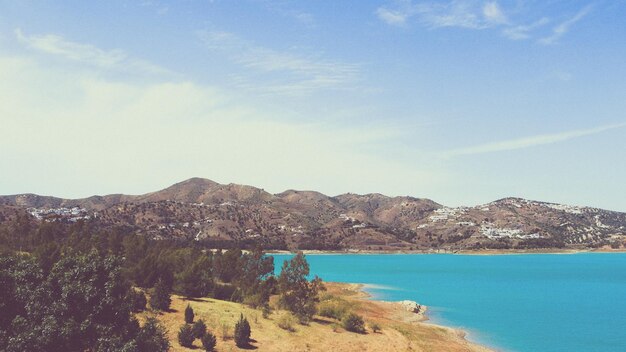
(354, 323)
(287, 321)
(185, 336)
(160, 298)
(335, 308)
(255, 300)
(375, 327)
(189, 314)
(199, 329)
(152, 337)
(242, 332)
(266, 311)
(208, 342)
(223, 292)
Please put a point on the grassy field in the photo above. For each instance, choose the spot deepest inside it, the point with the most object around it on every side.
(400, 330)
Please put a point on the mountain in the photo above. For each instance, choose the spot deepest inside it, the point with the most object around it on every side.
(203, 210)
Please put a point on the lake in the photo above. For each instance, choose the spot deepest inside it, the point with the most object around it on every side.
(542, 302)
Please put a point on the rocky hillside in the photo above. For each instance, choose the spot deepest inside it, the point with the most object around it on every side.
(203, 210)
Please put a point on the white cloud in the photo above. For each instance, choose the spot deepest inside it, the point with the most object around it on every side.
(463, 14)
(493, 13)
(88, 54)
(392, 17)
(564, 27)
(527, 142)
(290, 72)
(94, 134)
(475, 15)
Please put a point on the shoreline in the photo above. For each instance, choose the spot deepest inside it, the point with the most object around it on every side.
(397, 311)
(453, 252)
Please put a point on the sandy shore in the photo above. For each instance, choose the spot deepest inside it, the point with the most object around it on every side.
(394, 312)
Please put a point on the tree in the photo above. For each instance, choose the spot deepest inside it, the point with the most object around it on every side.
(189, 314)
(208, 342)
(185, 336)
(199, 329)
(137, 300)
(297, 294)
(160, 298)
(256, 268)
(79, 305)
(242, 332)
(152, 337)
(196, 280)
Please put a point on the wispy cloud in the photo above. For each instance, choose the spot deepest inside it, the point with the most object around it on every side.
(476, 15)
(521, 32)
(393, 17)
(527, 142)
(289, 72)
(288, 9)
(88, 54)
(564, 27)
(464, 14)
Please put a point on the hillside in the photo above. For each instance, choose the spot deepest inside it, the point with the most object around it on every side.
(400, 330)
(203, 210)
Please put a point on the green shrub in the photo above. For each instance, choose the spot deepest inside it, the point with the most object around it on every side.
(208, 342)
(255, 300)
(189, 314)
(354, 323)
(223, 291)
(266, 311)
(185, 336)
(199, 329)
(242, 332)
(287, 321)
(335, 308)
(152, 337)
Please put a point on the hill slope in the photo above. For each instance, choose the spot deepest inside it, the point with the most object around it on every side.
(203, 210)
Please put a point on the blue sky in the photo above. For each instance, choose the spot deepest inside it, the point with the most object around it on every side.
(463, 102)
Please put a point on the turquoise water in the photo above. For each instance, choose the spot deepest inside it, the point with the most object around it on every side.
(541, 302)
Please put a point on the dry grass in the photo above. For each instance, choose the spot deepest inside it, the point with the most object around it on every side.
(399, 331)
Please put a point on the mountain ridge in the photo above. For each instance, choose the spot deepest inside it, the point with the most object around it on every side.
(204, 210)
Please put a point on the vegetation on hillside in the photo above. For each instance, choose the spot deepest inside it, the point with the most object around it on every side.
(66, 286)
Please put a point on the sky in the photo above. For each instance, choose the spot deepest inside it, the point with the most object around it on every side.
(462, 102)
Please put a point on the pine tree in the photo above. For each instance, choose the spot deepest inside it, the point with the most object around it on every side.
(242, 332)
(185, 336)
(160, 298)
(189, 314)
(199, 329)
(208, 342)
(152, 337)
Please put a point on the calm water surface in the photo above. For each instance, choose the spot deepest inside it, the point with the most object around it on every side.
(544, 302)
